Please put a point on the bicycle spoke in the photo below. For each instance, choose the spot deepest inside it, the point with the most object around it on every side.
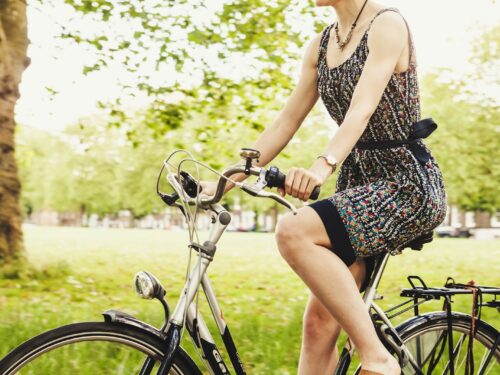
(456, 352)
(491, 352)
(442, 344)
(431, 349)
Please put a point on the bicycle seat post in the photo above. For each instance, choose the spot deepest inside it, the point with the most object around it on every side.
(371, 289)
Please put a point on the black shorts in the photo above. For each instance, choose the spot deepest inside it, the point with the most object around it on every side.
(339, 238)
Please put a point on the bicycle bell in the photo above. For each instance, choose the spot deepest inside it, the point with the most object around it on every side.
(249, 154)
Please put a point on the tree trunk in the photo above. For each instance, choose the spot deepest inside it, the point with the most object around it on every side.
(449, 220)
(274, 216)
(462, 219)
(13, 61)
(482, 219)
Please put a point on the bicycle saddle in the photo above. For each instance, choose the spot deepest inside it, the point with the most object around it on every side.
(418, 243)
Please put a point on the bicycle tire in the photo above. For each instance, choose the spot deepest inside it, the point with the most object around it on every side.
(425, 327)
(125, 335)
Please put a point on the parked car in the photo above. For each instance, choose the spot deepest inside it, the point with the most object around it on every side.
(453, 232)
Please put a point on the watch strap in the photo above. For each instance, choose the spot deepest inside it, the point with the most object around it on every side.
(334, 166)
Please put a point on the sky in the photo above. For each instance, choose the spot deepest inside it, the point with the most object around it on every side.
(443, 31)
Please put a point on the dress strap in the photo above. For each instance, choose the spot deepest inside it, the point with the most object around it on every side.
(410, 38)
(324, 43)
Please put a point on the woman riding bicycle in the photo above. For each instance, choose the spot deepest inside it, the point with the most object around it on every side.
(388, 193)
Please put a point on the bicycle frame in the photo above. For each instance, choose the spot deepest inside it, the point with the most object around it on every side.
(193, 321)
(186, 314)
(202, 337)
(387, 331)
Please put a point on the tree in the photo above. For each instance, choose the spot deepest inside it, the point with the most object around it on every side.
(206, 47)
(468, 114)
(13, 61)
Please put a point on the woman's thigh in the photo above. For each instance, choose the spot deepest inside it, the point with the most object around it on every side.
(306, 224)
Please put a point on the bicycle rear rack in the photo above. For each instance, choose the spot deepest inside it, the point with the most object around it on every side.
(420, 293)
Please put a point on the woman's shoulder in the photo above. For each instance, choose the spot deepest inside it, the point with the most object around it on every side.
(314, 45)
(388, 27)
(388, 19)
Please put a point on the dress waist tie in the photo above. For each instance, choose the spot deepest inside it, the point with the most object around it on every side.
(421, 129)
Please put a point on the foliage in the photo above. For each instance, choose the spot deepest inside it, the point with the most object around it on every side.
(213, 107)
(206, 46)
(468, 114)
(95, 168)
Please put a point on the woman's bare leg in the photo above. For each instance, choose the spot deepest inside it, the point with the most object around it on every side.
(319, 353)
(304, 243)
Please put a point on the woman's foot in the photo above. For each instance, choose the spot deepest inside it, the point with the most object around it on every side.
(386, 366)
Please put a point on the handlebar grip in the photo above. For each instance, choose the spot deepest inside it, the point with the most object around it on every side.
(315, 193)
(276, 178)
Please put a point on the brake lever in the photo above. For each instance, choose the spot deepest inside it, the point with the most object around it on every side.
(256, 191)
(278, 198)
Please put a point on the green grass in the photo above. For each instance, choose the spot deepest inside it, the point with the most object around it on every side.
(91, 270)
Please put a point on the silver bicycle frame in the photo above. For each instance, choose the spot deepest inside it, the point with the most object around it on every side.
(369, 297)
(193, 321)
(186, 313)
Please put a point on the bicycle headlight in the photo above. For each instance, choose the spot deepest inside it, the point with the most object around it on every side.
(147, 286)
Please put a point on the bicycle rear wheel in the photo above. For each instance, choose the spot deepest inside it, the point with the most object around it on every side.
(92, 348)
(427, 340)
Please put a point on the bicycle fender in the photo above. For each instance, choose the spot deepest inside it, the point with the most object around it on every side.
(116, 316)
(441, 315)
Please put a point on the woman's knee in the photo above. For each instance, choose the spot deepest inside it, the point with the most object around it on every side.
(288, 233)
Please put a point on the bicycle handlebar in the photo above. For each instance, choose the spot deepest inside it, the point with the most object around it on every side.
(267, 178)
(276, 178)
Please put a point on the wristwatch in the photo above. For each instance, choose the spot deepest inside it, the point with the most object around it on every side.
(330, 160)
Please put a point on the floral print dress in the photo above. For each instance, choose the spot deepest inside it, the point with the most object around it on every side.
(385, 197)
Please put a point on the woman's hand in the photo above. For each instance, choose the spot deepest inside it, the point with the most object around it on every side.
(210, 187)
(300, 182)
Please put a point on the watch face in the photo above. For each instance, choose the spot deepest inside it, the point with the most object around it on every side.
(331, 160)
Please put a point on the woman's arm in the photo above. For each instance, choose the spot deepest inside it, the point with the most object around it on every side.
(276, 136)
(386, 42)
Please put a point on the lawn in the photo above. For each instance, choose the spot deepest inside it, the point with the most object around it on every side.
(91, 270)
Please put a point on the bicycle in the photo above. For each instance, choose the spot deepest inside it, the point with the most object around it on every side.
(443, 342)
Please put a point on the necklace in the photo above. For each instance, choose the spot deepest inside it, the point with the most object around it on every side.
(341, 45)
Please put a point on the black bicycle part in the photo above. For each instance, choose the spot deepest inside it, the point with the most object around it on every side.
(190, 185)
(276, 178)
(233, 353)
(344, 363)
(173, 341)
(169, 199)
(418, 243)
(417, 327)
(210, 352)
(420, 325)
(150, 344)
(424, 293)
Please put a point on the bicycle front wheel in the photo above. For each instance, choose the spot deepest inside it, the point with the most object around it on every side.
(427, 339)
(93, 348)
